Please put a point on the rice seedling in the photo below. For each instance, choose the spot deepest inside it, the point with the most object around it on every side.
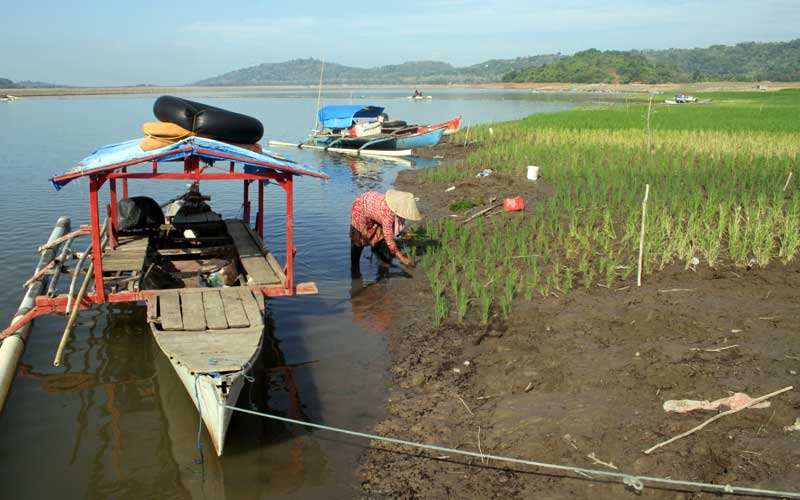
(485, 301)
(717, 175)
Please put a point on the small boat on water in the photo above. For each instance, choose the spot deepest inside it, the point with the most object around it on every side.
(203, 277)
(365, 128)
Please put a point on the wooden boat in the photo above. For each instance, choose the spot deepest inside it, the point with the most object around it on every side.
(450, 126)
(210, 334)
(380, 153)
(362, 128)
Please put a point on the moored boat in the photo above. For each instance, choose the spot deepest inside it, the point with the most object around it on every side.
(365, 128)
(203, 277)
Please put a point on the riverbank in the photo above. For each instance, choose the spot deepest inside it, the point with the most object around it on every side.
(533, 86)
(524, 334)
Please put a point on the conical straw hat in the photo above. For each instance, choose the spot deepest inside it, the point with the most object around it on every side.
(402, 204)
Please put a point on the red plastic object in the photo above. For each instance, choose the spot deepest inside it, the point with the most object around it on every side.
(513, 204)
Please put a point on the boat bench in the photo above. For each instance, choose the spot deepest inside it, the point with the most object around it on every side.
(259, 264)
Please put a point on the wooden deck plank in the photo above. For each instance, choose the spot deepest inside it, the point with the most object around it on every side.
(258, 270)
(170, 311)
(234, 309)
(203, 351)
(254, 314)
(128, 256)
(194, 317)
(214, 310)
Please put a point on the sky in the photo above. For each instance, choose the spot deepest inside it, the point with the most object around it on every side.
(114, 42)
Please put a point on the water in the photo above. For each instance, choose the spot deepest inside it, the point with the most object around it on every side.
(113, 420)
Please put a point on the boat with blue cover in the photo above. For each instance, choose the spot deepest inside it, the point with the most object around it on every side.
(366, 127)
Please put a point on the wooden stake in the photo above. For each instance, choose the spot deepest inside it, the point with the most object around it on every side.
(717, 417)
(641, 235)
(73, 316)
(649, 135)
(787, 181)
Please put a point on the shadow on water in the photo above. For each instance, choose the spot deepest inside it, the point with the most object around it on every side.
(114, 420)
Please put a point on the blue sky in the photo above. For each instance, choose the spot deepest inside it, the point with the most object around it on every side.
(109, 42)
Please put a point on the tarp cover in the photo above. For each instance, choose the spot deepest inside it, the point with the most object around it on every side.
(129, 153)
(342, 116)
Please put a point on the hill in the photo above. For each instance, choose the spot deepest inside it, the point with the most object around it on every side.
(5, 83)
(750, 61)
(307, 72)
(595, 66)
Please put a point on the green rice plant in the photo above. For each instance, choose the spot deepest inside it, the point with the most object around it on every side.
(441, 310)
(461, 204)
(485, 302)
(566, 285)
(462, 303)
(507, 297)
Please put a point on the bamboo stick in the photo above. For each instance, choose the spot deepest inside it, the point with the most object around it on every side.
(73, 316)
(718, 416)
(641, 235)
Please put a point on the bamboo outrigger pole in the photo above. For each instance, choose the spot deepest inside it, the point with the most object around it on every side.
(73, 313)
(13, 346)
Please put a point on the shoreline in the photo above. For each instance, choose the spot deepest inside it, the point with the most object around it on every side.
(570, 380)
(532, 86)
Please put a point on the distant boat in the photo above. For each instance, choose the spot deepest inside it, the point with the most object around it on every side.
(420, 97)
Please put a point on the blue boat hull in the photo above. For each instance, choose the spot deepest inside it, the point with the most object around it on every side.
(422, 140)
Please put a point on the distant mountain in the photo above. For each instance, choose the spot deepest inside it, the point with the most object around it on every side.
(5, 83)
(750, 61)
(307, 72)
(595, 66)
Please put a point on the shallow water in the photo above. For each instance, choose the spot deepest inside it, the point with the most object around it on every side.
(113, 420)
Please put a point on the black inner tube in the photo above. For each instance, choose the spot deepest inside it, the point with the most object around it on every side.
(208, 121)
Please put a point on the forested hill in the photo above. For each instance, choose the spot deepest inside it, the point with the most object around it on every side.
(5, 83)
(751, 61)
(307, 72)
(595, 66)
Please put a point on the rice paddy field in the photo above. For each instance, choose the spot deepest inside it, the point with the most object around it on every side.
(723, 192)
(525, 334)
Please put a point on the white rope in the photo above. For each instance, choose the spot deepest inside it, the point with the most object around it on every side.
(633, 481)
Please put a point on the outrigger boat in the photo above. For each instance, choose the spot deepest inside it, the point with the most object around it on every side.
(363, 130)
(211, 334)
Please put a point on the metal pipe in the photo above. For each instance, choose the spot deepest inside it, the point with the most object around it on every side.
(12, 347)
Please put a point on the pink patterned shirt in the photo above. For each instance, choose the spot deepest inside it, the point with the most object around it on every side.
(373, 220)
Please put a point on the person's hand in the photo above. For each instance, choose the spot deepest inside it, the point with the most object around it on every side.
(405, 260)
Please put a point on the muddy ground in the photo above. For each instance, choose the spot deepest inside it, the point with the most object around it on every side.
(587, 374)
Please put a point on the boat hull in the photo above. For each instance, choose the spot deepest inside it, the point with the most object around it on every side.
(420, 139)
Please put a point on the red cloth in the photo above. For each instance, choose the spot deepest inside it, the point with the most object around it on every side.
(372, 221)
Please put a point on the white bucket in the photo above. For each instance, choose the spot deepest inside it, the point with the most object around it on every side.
(533, 172)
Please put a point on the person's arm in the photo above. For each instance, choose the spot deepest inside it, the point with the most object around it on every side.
(387, 225)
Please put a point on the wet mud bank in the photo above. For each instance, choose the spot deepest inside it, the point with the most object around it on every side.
(580, 380)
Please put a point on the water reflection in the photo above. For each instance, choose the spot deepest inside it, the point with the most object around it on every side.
(114, 420)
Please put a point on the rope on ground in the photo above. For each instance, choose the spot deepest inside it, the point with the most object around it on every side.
(632, 481)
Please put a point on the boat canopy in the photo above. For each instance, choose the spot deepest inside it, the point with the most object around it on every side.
(342, 116)
(125, 154)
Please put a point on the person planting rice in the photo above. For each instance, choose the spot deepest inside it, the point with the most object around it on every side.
(378, 218)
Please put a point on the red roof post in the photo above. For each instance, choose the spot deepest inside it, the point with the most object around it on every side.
(124, 184)
(97, 251)
(260, 217)
(113, 228)
(289, 227)
(246, 202)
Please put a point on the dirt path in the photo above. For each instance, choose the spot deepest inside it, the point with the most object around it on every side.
(567, 377)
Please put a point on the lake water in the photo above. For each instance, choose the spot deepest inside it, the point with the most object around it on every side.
(114, 421)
